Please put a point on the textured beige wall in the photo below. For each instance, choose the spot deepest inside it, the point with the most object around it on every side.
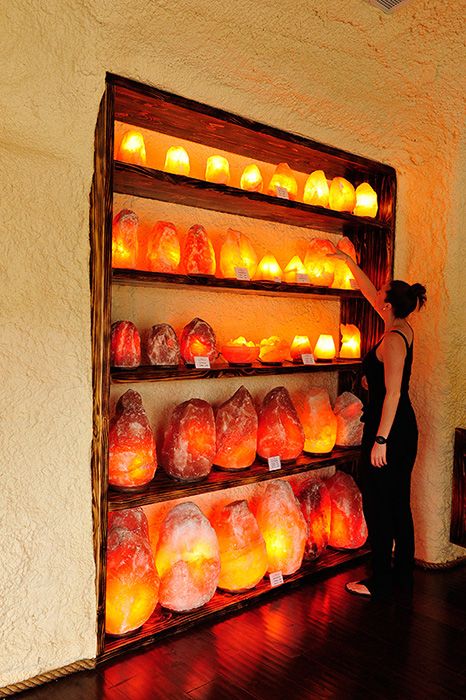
(387, 87)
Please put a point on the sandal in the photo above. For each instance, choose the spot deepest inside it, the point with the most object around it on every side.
(358, 588)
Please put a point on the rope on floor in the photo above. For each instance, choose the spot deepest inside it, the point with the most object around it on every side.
(431, 566)
(46, 677)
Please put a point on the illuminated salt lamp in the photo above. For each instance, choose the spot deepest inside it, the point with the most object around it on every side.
(177, 161)
(132, 458)
(243, 555)
(316, 189)
(342, 196)
(301, 345)
(269, 269)
(187, 559)
(366, 201)
(197, 340)
(132, 148)
(163, 248)
(294, 268)
(217, 170)
(125, 239)
(348, 529)
(132, 583)
(348, 410)
(282, 526)
(343, 278)
(324, 350)
(316, 508)
(350, 341)
(280, 433)
(125, 345)
(319, 267)
(237, 252)
(251, 179)
(162, 347)
(319, 421)
(189, 444)
(198, 257)
(283, 178)
(236, 432)
(273, 350)
(240, 352)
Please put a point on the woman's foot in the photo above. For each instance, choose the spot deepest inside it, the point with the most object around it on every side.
(358, 588)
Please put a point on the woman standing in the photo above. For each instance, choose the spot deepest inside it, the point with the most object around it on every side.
(389, 442)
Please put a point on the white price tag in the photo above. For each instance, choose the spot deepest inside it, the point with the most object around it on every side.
(276, 279)
(302, 278)
(202, 363)
(276, 579)
(242, 273)
(308, 358)
(281, 192)
(274, 463)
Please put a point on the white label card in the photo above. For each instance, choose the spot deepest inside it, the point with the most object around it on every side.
(202, 363)
(274, 463)
(276, 579)
(281, 192)
(308, 358)
(302, 278)
(242, 273)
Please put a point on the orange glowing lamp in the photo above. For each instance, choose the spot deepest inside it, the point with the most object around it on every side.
(125, 239)
(132, 148)
(343, 277)
(217, 170)
(283, 179)
(274, 350)
(177, 161)
(316, 190)
(350, 341)
(294, 268)
(240, 351)
(319, 267)
(269, 269)
(237, 254)
(342, 196)
(163, 248)
(366, 201)
(319, 422)
(251, 179)
(324, 350)
(301, 345)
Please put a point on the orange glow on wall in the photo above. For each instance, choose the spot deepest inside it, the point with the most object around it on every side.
(350, 341)
(301, 345)
(237, 251)
(343, 278)
(217, 170)
(283, 177)
(125, 239)
(366, 201)
(251, 179)
(177, 161)
(319, 421)
(274, 350)
(316, 190)
(269, 269)
(320, 268)
(240, 351)
(132, 148)
(163, 248)
(325, 348)
(294, 268)
(342, 196)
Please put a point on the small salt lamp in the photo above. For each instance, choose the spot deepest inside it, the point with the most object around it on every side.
(324, 350)
(316, 508)
(162, 347)
(251, 179)
(269, 269)
(236, 431)
(348, 529)
(125, 239)
(132, 148)
(348, 410)
(366, 201)
(319, 421)
(301, 345)
(294, 268)
(177, 161)
(282, 526)
(187, 559)
(217, 170)
(280, 433)
(163, 248)
(125, 346)
(316, 189)
(342, 196)
(243, 555)
(273, 350)
(197, 340)
(237, 252)
(319, 267)
(132, 580)
(283, 178)
(198, 257)
(240, 351)
(132, 458)
(343, 278)
(350, 341)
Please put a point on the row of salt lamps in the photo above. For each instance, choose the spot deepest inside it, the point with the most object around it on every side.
(339, 195)
(193, 557)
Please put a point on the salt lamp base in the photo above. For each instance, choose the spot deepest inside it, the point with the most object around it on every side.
(317, 454)
(240, 364)
(232, 469)
(318, 359)
(188, 481)
(271, 364)
(123, 634)
(129, 489)
(345, 359)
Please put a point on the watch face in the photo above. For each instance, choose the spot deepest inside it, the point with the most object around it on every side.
(381, 440)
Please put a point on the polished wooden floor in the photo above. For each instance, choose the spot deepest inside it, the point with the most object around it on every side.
(314, 642)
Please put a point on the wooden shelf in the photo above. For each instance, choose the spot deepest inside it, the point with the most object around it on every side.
(164, 621)
(162, 488)
(148, 183)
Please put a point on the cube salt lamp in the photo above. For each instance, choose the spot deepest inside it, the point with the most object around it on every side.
(348, 529)
(316, 190)
(282, 526)
(251, 179)
(132, 580)
(294, 268)
(162, 347)
(243, 554)
(189, 444)
(217, 170)
(319, 421)
(163, 248)
(236, 432)
(273, 350)
(283, 177)
(187, 559)
(350, 341)
(125, 346)
(324, 350)
(125, 239)
(343, 278)
(342, 196)
(300, 346)
(198, 257)
(348, 410)
(197, 340)
(132, 148)
(366, 201)
(319, 267)
(240, 352)
(237, 252)
(177, 161)
(269, 269)
(280, 433)
(316, 508)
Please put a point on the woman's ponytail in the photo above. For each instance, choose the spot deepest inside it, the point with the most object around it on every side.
(405, 298)
(419, 292)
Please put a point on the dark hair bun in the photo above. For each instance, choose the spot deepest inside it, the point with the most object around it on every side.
(405, 298)
(419, 292)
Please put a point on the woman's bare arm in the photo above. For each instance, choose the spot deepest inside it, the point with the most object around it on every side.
(363, 281)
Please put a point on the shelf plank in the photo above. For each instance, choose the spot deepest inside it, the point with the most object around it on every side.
(163, 488)
(149, 183)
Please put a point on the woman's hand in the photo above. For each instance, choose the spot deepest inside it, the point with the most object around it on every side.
(340, 254)
(379, 455)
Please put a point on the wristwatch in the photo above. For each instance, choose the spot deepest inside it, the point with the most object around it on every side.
(381, 440)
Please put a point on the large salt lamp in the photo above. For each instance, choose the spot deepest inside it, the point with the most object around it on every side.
(366, 201)
(280, 433)
(316, 189)
(295, 270)
(217, 170)
(342, 196)
(132, 148)
(284, 179)
(162, 347)
(251, 179)
(177, 161)
(348, 529)
(319, 267)
(273, 350)
(324, 350)
(132, 459)
(300, 346)
(132, 580)
(282, 526)
(348, 410)
(316, 508)
(198, 257)
(319, 421)
(350, 341)
(240, 352)
(237, 252)
(236, 432)
(125, 345)
(243, 555)
(269, 269)
(343, 276)
(197, 340)
(125, 239)
(163, 248)
(189, 445)
(187, 559)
